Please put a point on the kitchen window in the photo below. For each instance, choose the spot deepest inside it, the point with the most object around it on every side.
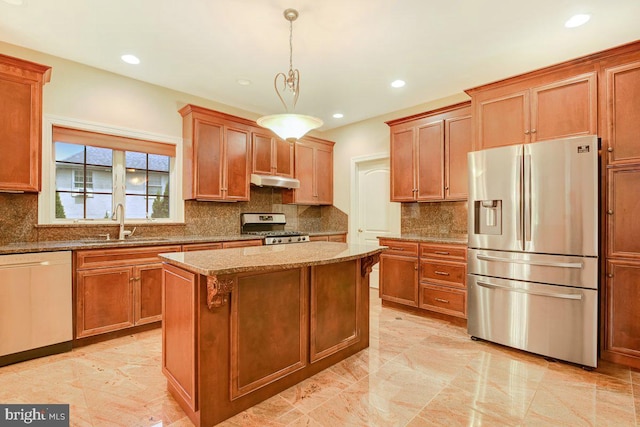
(92, 172)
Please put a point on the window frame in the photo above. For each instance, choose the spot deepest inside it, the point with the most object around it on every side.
(46, 197)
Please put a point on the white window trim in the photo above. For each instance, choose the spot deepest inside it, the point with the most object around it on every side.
(46, 197)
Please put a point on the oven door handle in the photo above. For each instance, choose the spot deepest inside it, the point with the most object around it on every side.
(530, 292)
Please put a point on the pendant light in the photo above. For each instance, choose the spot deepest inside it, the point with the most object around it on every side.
(289, 126)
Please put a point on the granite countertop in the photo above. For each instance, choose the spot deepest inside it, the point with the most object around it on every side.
(449, 239)
(266, 258)
(102, 243)
(72, 245)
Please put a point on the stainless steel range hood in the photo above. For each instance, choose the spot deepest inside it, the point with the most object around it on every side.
(274, 181)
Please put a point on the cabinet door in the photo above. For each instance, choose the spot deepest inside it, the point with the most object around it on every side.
(236, 164)
(104, 300)
(623, 206)
(502, 120)
(208, 174)
(323, 174)
(564, 108)
(284, 158)
(622, 322)
(402, 165)
(458, 142)
(20, 123)
(622, 102)
(147, 293)
(399, 279)
(430, 155)
(304, 173)
(262, 153)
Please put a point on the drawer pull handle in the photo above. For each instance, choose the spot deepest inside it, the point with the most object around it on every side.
(441, 253)
(396, 249)
(446, 301)
(441, 273)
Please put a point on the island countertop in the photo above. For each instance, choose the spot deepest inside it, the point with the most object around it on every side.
(267, 258)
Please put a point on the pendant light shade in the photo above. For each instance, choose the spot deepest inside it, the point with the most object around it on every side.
(289, 126)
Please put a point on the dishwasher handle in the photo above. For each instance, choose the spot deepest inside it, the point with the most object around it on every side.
(530, 292)
(25, 264)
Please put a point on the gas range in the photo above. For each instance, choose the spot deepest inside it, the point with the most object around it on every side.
(271, 227)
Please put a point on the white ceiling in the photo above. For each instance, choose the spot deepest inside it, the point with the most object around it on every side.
(347, 51)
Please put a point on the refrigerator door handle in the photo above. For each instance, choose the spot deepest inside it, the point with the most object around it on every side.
(527, 199)
(527, 262)
(519, 232)
(527, 291)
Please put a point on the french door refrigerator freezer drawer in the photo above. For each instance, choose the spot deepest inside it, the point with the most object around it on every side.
(581, 272)
(554, 321)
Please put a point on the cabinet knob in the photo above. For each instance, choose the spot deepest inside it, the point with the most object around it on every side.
(533, 131)
(610, 149)
(610, 212)
(526, 132)
(610, 275)
(446, 188)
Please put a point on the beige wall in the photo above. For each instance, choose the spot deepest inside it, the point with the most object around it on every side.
(85, 93)
(368, 137)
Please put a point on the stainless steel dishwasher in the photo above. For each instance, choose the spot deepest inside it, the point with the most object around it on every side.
(35, 305)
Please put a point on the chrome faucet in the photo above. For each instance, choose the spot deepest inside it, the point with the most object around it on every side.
(118, 214)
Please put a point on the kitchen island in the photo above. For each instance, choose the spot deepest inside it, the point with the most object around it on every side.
(241, 325)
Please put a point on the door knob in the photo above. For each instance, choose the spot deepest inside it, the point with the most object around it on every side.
(359, 230)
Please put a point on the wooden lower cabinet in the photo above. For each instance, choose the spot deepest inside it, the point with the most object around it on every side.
(424, 275)
(399, 272)
(622, 318)
(117, 289)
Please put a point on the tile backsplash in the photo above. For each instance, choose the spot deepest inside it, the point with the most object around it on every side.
(434, 219)
(19, 219)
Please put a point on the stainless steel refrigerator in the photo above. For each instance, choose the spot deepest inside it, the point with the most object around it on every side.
(533, 248)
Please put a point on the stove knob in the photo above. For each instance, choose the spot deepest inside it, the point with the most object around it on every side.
(278, 240)
(300, 239)
(290, 240)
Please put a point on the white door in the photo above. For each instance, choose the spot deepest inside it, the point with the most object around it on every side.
(373, 215)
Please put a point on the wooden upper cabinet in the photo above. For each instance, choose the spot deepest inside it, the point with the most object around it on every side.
(429, 155)
(314, 169)
(271, 155)
(403, 185)
(21, 123)
(528, 109)
(216, 154)
(457, 143)
(622, 101)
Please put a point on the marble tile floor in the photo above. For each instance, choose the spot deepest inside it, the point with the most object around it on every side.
(417, 372)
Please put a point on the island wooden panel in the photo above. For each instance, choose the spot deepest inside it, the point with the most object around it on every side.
(335, 298)
(179, 359)
(268, 329)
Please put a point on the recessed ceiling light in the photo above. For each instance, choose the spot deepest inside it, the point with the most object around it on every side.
(577, 20)
(398, 83)
(130, 59)
(338, 115)
(15, 2)
(243, 82)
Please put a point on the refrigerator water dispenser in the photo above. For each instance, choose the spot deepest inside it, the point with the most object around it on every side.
(488, 217)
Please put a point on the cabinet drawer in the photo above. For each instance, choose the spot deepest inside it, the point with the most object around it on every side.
(399, 247)
(241, 243)
(443, 272)
(124, 256)
(444, 300)
(454, 252)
